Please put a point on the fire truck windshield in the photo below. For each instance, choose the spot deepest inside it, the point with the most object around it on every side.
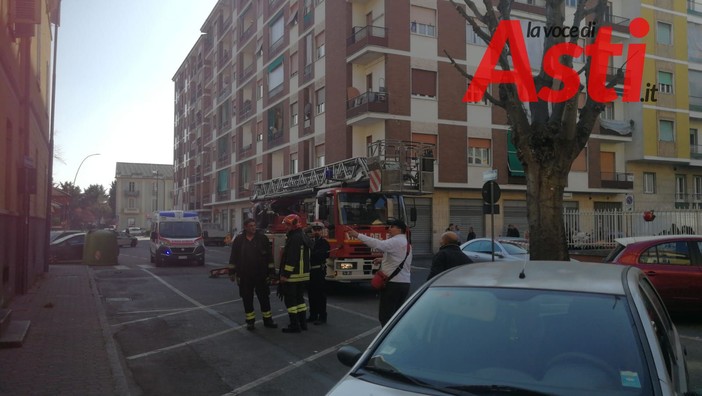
(364, 208)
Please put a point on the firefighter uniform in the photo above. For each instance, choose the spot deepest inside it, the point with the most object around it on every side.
(294, 273)
(318, 269)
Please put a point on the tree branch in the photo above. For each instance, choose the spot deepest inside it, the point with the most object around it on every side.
(469, 77)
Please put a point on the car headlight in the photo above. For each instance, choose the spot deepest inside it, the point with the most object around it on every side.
(346, 266)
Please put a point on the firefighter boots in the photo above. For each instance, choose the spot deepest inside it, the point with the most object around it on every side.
(250, 324)
(302, 318)
(321, 320)
(294, 326)
(268, 322)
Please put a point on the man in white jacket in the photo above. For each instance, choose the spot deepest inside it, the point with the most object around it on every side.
(396, 251)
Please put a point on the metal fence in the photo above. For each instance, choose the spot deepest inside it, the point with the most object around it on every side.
(598, 229)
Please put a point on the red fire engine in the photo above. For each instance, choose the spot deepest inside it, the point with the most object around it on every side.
(360, 192)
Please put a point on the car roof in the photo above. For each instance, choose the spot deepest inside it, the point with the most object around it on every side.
(629, 240)
(63, 238)
(542, 275)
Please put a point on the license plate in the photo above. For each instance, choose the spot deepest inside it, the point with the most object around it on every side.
(182, 257)
(345, 272)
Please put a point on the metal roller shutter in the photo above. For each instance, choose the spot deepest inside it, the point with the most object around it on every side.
(515, 212)
(467, 213)
(422, 230)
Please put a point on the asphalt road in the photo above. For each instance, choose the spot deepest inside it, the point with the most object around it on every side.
(180, 332)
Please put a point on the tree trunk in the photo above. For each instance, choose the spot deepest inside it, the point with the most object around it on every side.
(545, 185)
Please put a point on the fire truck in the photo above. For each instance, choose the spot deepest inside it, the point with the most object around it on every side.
(360, 192)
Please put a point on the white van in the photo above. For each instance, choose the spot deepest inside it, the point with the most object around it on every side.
(176, 236)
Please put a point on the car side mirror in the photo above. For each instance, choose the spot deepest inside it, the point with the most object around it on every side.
(348, 355)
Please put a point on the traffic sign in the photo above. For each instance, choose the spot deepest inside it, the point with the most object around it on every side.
(491, 192)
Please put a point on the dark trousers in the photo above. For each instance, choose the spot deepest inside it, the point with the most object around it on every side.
(247, 287)
(391, 298)
(294, 297)
(317, 294)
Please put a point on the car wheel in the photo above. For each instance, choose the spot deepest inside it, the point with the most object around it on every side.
(134, 243)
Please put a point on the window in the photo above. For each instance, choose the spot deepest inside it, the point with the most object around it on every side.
(665, 131)
(293, 163)
(698, 189)
(424, 83)
(293, 114)
(320, 45)
(319, 155)
(680, 188)
(479, 151)
(473, 38)
(423, 21)
(293, 63)
(674, 253)
(275, 76)
(665, 82)
(259, 90)
(222, 180)
(664, 33)
(131, 203)
(132, 186)
(571, 3)
(649, 183)
(277, 30)
(608, 113)
(320, 98)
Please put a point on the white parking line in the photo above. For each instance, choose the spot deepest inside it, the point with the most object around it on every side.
(170, 312)
(691, 338)
(300, 363)
(212, 312)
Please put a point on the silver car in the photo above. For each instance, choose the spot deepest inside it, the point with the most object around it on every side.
(544, 328)
(510, 249)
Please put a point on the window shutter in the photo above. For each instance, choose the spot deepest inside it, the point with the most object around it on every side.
(25, 11)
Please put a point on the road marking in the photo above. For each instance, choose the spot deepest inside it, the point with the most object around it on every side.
(351, 311)
(691, 338)
(196, 303)
(170, 312)
(146, 266)
(300, 363)
(122, 267)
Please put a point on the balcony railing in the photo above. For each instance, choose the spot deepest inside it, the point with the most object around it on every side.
(367, 102)
(308, 72)
(618, 23)
(364, 36)
(695, 151)
(128, 193)
(695, 103)
(617, 180)
(247, 72)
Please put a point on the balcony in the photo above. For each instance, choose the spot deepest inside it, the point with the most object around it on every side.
(368, 102)
(247, 72)
(223, 195)
(618, 23)
(128, 193)
(694, 7)
(308, 73)
(223, 94)
(696, 152)
(361, 43)
(620, 180)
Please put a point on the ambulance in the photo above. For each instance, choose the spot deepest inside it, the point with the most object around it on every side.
(176, 237)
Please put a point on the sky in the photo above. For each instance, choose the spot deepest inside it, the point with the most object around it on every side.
(114, 93)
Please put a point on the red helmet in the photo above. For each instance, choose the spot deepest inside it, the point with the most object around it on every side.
(292, 220)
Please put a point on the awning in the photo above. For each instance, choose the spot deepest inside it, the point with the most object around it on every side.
(514, 165)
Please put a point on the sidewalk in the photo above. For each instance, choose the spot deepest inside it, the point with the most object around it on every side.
(69, 349)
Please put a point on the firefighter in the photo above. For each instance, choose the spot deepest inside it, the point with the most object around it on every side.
(294, 273)
(318, 270)
(250, 266)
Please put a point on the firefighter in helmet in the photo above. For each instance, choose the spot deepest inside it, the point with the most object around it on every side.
(294, 273)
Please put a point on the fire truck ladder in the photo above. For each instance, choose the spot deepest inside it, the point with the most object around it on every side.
(349, 171)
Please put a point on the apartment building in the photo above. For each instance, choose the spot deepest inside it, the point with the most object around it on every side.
(142, 189)
(269, 90)
(25, 59)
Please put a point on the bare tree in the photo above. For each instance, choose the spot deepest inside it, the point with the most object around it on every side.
(549, 136)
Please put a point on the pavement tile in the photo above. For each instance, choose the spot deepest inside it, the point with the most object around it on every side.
(67, 350)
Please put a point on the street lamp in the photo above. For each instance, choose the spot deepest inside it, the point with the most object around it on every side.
(81, 164)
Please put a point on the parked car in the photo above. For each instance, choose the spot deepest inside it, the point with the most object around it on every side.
(672, 262)
(550, 328)
(67, 248)
(510, 249)
(124, 239)
(135, 231)
(56, 234)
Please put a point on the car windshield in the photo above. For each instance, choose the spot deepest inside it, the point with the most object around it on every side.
(180, 229)
(545, 341)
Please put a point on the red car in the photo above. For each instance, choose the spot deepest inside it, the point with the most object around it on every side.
(673, 263)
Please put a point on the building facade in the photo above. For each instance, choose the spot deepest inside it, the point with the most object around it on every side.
(141, 189)
(25, 60)
(269, 90)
